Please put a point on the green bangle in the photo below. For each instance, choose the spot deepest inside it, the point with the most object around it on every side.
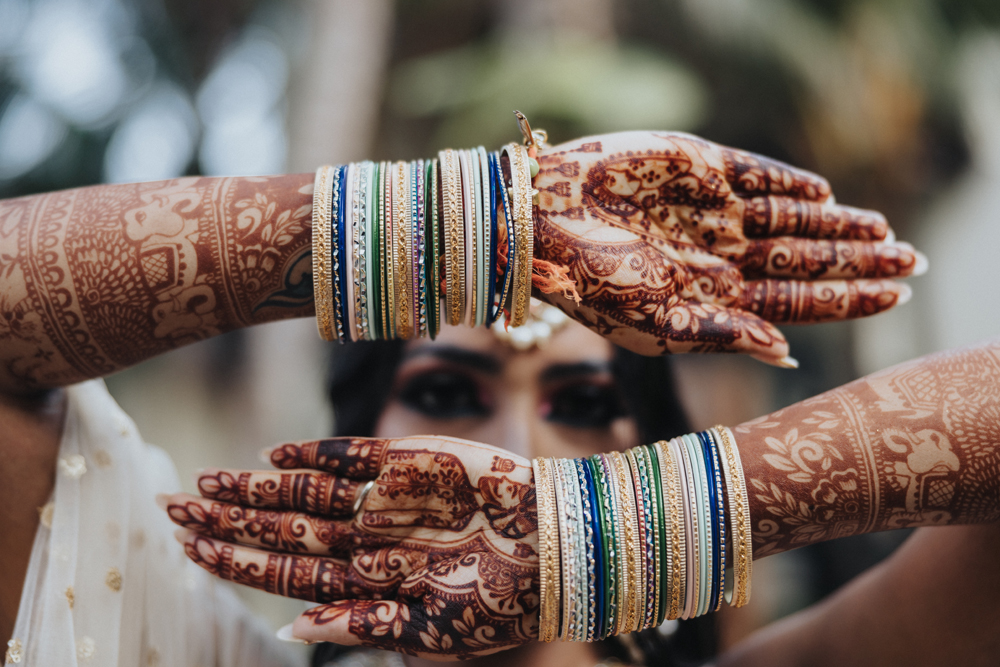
(663, 555)
(608, 543)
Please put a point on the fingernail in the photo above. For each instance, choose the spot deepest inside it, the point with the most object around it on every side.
(890, 236)
(196, 475)
(920, 268)
(284, 633)
(161, 500)
(905, 294)
(181, 535)
(787, 362)
(265, 455)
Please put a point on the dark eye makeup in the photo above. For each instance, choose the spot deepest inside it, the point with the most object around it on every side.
(585, 405)
(443, 394)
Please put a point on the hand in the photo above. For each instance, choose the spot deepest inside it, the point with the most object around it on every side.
(441, 560)
(677, 244)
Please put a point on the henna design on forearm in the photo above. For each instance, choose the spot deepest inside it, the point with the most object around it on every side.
(915, 445)
(96, 279)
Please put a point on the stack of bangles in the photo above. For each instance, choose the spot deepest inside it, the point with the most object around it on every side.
(628, 540)
(400, 247)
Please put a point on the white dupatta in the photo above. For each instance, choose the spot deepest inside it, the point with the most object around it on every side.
(107, 584)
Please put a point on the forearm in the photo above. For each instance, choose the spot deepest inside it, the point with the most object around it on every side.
(914, 445)
(932, 603)
(93, 280)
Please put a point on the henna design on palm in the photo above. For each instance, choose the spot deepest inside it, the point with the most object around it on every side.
(677, 244)
(440, 561)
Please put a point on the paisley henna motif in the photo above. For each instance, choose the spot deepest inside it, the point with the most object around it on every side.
(440, 561)
(660, 231)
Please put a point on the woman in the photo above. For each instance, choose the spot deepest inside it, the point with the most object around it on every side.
(690, 247)
(415, 571)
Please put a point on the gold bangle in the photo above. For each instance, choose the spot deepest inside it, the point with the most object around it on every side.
(640, 548)
(454, 237)
(321, 252)
(627, 519)
(670, 478)
(404, 271)
(548, 550)
(739, 507)
(524, 236)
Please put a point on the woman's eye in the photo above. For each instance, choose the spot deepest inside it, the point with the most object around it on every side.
(585, 406)
(442, 395)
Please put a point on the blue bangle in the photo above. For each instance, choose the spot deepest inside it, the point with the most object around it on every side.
(508, 274)
(491, 312)
(336, 213)
(597, 583)
(342, 250)
(714, 495)
(721, 514)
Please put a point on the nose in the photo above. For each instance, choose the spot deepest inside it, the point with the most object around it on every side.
(518, 421)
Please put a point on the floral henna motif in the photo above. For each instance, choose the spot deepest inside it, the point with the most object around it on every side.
(659, 231)
(918, 444)
(355, 458)
(315, 492)
(441, 560)
(469, 605)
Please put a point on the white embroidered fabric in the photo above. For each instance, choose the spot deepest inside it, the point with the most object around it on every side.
(107, 583)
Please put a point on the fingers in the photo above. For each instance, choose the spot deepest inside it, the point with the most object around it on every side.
(303, 577)
(355, 458)
(806, 259)
(751, 174)
(702, 327)
(784, 216)
(794, 301)
(300, 490)
(292, 532)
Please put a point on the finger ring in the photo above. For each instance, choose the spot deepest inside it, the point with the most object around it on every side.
(362, 495)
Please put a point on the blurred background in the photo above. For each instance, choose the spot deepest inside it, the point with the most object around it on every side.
(897, 102)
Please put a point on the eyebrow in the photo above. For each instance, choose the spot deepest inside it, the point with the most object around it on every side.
(478, 361)
(563, 371)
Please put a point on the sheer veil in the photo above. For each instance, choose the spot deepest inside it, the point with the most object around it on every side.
(107, 583)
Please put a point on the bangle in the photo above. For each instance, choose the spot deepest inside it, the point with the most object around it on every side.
(350, 266)
(340, 259)
(321, 251)
(641, 531)
(739, 519)
(419, 175)
(454, 238)
(434, 253)
(548, 551)
(475, 181)
(587, 497)
(469, 253)
(489, 234)
(718, 518)
(401, 228)
(612, 553)
(523, 230)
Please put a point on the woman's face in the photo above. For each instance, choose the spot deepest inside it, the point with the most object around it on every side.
(559, 400)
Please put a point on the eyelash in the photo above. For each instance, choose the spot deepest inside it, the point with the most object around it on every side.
(444, 394)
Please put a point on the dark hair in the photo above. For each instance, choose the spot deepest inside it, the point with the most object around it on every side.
(359, 383)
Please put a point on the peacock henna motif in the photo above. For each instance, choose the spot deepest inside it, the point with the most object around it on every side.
(662, 232)
(95, 279)
(441, 560)
(914, 445)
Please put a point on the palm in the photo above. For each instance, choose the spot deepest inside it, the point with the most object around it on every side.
(676, 244)
(440, 561)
